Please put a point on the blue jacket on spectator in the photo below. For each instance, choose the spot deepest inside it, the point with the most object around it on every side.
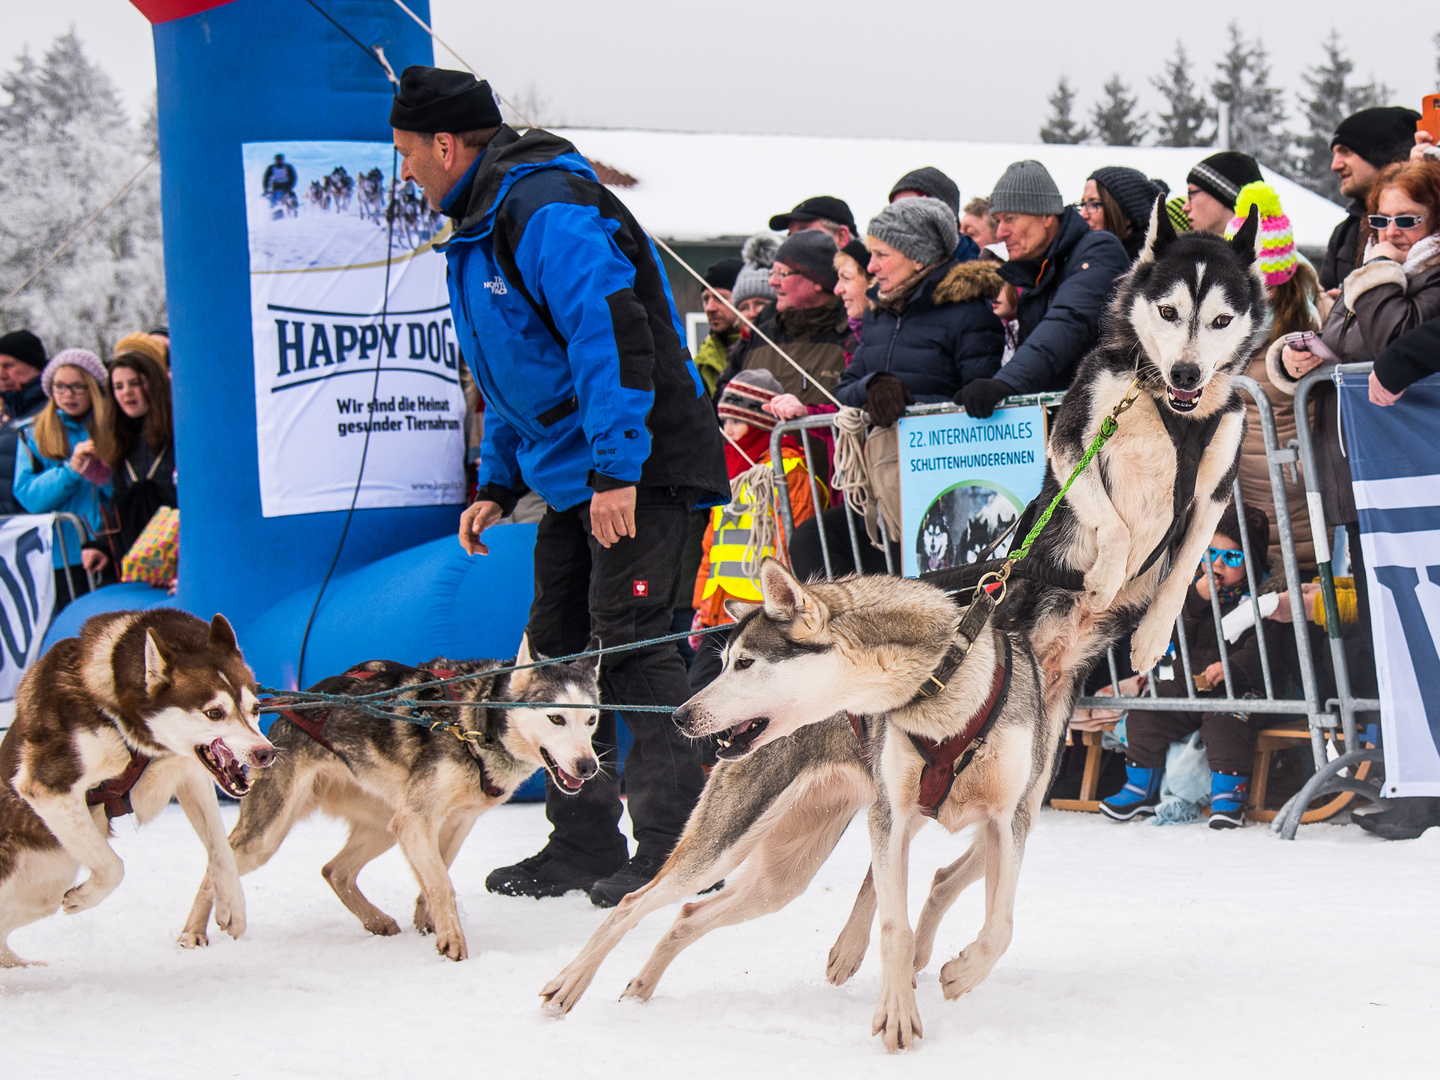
(19, 405)
(941, 336)
(1062, 297)
(565, 315)
(44, 485)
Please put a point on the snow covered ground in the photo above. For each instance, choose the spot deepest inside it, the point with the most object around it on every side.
(1168, 952)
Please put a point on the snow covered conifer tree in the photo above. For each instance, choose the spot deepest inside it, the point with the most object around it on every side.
(1189, 111)
(1331, 98)
(1257, 112)
(68, 146)
(1114, 116)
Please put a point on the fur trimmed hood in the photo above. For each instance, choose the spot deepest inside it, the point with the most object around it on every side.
(974, 280)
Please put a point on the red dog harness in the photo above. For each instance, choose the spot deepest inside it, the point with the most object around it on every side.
(948, 758)
(313, 724)
(114, 794)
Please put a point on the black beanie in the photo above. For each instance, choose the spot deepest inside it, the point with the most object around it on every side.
(1132, 191)
(722, 274)
(1224, 174)
(932, 182)
(432, 100)
(812, 253)
(1381, 136)
(25, 347)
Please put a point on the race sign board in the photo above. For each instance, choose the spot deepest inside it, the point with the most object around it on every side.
(1395, 464)
(27, 594)
(322, 227)
(964, 481)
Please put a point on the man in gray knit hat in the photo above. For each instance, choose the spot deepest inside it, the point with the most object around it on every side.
(1066, 273)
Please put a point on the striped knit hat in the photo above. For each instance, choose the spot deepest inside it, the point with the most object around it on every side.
(745, 393)
(1176, 209)
(1278, 260)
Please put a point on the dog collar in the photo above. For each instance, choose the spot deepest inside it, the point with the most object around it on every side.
(966, 633)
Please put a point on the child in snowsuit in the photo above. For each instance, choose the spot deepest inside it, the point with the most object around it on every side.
(725, 571)
(1229, 738)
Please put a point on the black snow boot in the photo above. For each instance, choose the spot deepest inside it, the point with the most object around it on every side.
(1403, 819)
(540, 876)
(635, 874)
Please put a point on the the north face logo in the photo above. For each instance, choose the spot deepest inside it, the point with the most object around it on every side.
(497, 286)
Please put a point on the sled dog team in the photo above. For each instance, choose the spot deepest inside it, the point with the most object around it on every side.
(834, 696)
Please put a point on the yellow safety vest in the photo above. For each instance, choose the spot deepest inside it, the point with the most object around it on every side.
(731, 535)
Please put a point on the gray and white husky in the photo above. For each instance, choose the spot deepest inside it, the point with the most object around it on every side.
(399, 782)
(1184, 324)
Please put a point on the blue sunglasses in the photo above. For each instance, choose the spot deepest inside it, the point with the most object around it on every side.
(1229, 556)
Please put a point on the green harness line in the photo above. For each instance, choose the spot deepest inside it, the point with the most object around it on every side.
(1108, 427)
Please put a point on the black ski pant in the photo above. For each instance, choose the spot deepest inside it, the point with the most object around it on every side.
(621, 594)
(1229, 738)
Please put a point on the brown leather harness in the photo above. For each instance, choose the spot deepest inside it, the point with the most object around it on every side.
(114, 794)
(946, 759)
(313, 724)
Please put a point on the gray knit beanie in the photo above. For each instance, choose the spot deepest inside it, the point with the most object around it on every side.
(1026, 188)
(754, 278)
(83, 359)
(922, 229)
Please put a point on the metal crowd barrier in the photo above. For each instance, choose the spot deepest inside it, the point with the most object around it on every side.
(1332, 719)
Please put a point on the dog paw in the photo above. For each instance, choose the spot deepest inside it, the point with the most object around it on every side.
(423, 923)
(1148, 644)
(191, 940)
(84, 896)
(9, 960)
(1101, 585)
(638, 989)
(561, 993)
(845, 959)
(230, 917)
(382, 925)
(897, 1019)
(963, 974)
(452, 946)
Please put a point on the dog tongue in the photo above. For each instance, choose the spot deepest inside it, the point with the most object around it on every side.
(740, 729)
(1185, 395)
(222, 753)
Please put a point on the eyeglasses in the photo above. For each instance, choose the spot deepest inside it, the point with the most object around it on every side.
(68, 388)
(1401, 221)
(1091, 206)
(1229, 556)
(776, 271)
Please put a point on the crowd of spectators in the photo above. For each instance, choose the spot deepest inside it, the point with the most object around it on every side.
(1003, 295)
(84, 437)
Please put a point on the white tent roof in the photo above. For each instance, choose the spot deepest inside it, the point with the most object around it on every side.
(702, 186)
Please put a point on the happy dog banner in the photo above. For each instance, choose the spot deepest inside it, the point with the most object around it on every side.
(964, 481)
(1395, 463)
(318, 215)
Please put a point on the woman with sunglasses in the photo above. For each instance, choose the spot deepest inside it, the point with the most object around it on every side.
(60, 462)
(1396, 288)
(1229, 738)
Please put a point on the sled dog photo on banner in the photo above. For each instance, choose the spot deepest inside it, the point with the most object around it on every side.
(321, 219)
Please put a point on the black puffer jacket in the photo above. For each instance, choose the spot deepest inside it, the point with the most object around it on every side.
(934, 340)
(1062, 296)
(19, 405)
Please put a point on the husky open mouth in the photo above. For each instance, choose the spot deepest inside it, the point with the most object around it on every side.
(224, 766)
(736, 742)
(563, 780)
(1183, 400)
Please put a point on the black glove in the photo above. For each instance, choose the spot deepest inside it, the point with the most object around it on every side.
(980, 396)
(887, 398)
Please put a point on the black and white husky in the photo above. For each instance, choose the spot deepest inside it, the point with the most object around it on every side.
(1185, 322)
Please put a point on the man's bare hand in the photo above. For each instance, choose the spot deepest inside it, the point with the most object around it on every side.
(478, 517)
(94, 561)
(612, 515)
(1379, 395)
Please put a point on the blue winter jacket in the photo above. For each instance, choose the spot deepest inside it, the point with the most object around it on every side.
(1062, 296)
(941, 337)
(564, 313)
(43, 486)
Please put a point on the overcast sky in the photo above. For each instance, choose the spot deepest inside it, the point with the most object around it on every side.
(929, 68)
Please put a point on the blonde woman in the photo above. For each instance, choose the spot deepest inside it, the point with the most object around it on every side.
(60, 464)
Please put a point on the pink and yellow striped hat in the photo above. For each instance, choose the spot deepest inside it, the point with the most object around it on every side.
(1278, 259)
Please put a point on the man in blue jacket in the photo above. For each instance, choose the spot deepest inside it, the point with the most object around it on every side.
(1065, 272)
(22, 359)
(564, 313)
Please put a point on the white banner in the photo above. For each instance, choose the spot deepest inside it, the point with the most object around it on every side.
(27, 594)
(318, 227)
(1395, 462)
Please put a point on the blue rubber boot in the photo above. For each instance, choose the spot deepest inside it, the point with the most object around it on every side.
(1137, 798)
(1227, 800)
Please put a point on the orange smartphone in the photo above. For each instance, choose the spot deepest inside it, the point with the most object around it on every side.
(1430, 116)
